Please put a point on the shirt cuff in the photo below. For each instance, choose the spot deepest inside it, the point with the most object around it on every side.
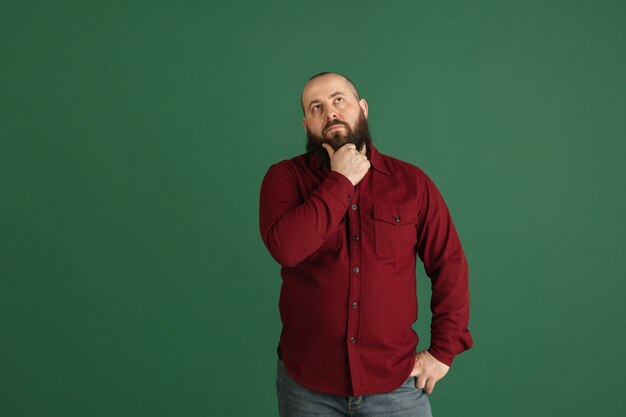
(339, 186)
(441, 356)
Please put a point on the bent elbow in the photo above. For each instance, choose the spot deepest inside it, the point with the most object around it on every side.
(285, 259)
(282, 254)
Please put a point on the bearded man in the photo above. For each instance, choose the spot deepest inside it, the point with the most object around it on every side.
(346, 223)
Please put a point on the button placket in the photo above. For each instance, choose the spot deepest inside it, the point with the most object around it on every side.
(355, 285)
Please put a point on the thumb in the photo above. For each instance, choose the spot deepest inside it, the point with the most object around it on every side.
(329, 149)
(363, 149)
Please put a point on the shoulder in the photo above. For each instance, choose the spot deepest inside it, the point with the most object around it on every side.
(400, 167)
(289, 167)
(290, 163)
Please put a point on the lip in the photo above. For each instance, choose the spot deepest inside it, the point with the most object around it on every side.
(334, 126)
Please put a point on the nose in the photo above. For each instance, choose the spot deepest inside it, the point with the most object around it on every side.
(331, 114)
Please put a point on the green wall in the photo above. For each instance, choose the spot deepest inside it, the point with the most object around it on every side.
(134, 136)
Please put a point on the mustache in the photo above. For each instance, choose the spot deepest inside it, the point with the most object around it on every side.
(334, 123)
(359, 136)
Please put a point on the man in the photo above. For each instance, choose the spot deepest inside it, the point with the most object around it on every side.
(346, 222)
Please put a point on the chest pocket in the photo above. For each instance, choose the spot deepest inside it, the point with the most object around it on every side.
(395, 229)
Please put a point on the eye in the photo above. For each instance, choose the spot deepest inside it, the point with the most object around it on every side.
(315, 107)
(339, 99)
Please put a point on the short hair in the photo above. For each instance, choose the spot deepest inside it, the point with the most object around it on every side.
(358, 97)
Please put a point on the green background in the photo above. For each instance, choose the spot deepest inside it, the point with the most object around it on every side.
(134, 138)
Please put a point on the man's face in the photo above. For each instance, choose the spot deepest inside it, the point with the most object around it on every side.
(360, 136)
(331, 109)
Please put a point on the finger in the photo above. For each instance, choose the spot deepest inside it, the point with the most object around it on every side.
(349, 145)
(430, 386)
(421, 382)
(329, 149)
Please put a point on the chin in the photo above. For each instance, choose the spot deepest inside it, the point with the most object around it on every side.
(337, 135)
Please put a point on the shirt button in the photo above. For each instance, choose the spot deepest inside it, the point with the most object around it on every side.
(355, 305)
(355, 237)
(353, 339)
(354, 207)
(356, 269)
(397, 218)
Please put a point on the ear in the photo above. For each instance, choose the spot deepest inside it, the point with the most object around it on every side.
(363, 105)
(304, 124)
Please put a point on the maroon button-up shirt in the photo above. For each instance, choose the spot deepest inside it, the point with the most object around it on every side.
(348, 255)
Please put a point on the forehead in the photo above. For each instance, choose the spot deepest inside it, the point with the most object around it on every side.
(323, 86)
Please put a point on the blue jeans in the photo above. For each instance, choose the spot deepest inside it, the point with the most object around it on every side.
(294, 400)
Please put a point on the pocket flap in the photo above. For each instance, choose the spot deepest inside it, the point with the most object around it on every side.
(397, 215)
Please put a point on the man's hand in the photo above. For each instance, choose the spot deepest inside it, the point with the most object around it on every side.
(348, 161)
(428, 371)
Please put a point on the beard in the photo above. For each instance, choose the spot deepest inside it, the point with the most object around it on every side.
(359, 136)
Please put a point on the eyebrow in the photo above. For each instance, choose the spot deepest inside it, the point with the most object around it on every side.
(336, 93)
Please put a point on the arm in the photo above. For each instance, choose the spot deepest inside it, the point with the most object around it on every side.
(293, 228)
(439, 247)
(444, 261)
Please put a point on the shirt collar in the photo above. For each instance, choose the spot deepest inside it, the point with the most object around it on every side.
(375, 158)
